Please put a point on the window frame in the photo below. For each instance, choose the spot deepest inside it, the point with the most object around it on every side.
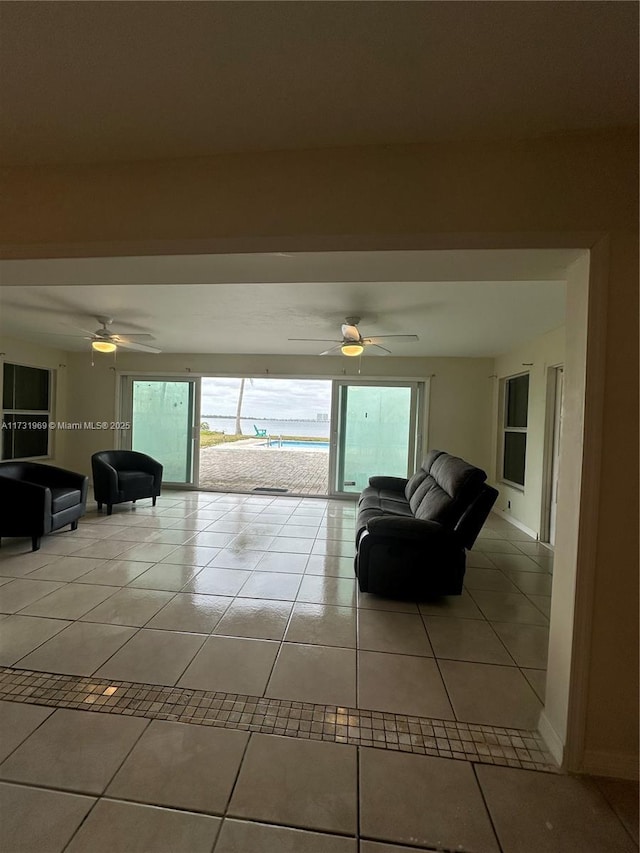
(505, 429)
(36, 413)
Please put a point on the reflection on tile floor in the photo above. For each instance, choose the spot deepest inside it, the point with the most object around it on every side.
(256, 595)
(226, 631)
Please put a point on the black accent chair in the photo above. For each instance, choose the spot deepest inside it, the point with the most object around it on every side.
(124, 475)
(412, 535)
(38, 499)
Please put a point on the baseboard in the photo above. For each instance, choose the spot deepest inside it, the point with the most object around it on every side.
(619, 765)
(551, 738)
(508, 517)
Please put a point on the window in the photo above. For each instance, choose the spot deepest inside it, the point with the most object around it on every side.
(26, 411)
(516, 410)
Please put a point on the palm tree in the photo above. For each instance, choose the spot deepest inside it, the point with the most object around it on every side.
(239, 407)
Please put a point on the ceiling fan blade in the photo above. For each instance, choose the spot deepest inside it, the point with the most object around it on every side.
(333, 349)
(136, 346)
(377, 346)
(400, 338)
(132, 337)
(68, 335)
(86, 331)
(317, 340)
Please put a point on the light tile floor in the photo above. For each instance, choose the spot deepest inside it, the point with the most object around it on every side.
(256, 596)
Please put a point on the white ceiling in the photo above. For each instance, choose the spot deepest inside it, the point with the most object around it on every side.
(86, 82)
(477, 303)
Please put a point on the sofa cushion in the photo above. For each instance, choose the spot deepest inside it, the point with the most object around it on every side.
(447, 490)
(388, 494)
(64, 498)
(385, 505)
(430, 502)
(392, 498)
(421, 473)
(414, 482)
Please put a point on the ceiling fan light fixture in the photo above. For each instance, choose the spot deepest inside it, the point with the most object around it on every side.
(103, 346)
(352, 349)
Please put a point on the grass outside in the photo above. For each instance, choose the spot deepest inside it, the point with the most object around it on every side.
(209, 438)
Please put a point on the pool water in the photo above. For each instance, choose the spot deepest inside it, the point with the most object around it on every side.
(286, 444)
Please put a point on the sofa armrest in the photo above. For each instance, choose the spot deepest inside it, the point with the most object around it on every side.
(401, 527)
(394, 484)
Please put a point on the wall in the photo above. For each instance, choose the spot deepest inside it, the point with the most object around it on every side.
(459, 401)
(542, 353)
(32, 355)
(566, 190)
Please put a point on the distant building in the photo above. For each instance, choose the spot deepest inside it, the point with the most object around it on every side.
(322, 417)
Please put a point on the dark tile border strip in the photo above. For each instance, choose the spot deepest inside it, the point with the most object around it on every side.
(381, 730)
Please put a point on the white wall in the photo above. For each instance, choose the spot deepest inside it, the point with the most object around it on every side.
(20, 352)
(541, 353)
(459, 401)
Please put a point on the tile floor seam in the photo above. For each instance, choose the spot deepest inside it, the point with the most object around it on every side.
(81, 824)
(225, 813)
(406, 845)
(486, 808)
(33, 731)
(256, 714)
(198, 650)
(503, 644)
(612, 806)
(330, 833)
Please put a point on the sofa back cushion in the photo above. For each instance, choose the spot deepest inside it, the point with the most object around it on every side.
(447, 489)
(421, 474)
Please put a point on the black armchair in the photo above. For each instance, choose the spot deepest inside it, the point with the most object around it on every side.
(124, 475)
(37, 499)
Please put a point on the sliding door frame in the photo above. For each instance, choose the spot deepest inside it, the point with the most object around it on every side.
(416, 424)
(126, 412)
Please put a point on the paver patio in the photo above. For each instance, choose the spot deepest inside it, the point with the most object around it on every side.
(245, 465)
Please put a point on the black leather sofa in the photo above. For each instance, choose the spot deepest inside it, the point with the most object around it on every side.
(124, 475)
(37, 499)
(412, 535)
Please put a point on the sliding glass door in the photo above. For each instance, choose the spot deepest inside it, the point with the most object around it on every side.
(163, 416)
(376, 430)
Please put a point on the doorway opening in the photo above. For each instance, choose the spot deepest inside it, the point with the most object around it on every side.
(555, 390)
(318, 437)
(269, 436)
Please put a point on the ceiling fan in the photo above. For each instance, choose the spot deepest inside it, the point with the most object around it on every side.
(353, 343)
(102, 340)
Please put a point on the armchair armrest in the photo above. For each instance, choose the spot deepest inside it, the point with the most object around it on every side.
(24, 499)
(105, 481)
(153, 467)
(394, 484)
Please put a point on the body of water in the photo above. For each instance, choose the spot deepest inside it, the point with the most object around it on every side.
(297, 445)
(319, 429)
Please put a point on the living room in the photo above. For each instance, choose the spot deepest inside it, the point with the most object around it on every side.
(511, 193)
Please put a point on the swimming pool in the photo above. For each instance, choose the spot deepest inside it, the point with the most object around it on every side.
(289, 444)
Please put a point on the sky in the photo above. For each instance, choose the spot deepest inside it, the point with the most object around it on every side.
(267, 398)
